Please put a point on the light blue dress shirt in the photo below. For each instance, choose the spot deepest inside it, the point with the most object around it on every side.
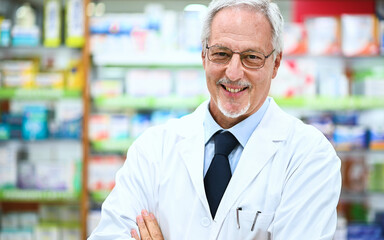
(242, 131)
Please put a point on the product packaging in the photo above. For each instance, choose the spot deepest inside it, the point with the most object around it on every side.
(296, 78)
(190, 83)
(52, 23)
(331, 79)
(74, 23)
(119, 127)
(346, 138)
(14, 121)
(35, 123)
(8, 166)
(19, 73)
(368, 81)
(376, 138)
(376, 172)
(364, 231)
(5, 132)
(47, 231)
(323, 35)
(359, 35)
(106, 88)
(98, 127)
(52, 80)
(5, 32)
(26, 175)
(54, 176)
(355, 173)
(25, 32)
(139, 123)
(146, 82)
(295, 38)
(102, 171)
(322, 122)
(75, 76)
(67, 123)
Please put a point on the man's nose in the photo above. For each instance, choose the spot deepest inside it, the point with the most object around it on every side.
(235, 69)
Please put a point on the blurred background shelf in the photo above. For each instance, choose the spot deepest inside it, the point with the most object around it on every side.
(115, 145)
(128, 102)
(18, 195)
(161, 59)
(332, 103)
(39, 94)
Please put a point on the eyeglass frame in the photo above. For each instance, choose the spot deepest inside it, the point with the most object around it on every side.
(240, 54)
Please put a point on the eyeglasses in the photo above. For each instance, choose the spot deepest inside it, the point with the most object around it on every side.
(249, 59)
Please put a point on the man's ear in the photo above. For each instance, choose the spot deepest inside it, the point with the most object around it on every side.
(203, 58)
(277, 64)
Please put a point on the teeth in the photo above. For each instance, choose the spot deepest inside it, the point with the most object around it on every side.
(232, 90)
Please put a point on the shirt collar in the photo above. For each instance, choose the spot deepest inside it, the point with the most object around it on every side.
(242, 131)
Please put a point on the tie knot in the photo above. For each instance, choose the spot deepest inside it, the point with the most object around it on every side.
(225, 142)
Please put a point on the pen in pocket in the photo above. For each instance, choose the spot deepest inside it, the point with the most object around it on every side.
(254, 220)
(237, 216)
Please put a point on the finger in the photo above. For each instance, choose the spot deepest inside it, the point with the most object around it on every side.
(134, 234)
(143, 228)
(152, 225)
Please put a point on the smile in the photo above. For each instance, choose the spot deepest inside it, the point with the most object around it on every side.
(233, 90)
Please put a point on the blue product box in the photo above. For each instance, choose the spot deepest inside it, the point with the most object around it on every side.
(347, 138)
(35, 123)
(5, 132)
(69, 129)
(349, 118)
(14, 122)
(364, 232)
(376, 139)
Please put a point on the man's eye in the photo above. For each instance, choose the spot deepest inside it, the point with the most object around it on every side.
(221, 54)
(253, 57)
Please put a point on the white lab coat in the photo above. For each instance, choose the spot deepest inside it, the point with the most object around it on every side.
(288, 171)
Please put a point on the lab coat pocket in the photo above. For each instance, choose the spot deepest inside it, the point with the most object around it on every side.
(253, 225)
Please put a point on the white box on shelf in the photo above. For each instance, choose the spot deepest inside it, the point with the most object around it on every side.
(8, 165)
(190, 82)
(359, 34)
(146, 82)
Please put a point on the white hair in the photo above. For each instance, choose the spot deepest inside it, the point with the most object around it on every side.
(270, 10)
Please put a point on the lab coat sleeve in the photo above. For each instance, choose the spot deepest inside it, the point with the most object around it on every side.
(134, 190)
(310, 194)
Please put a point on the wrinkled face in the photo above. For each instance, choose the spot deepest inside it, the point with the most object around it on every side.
(237, 91)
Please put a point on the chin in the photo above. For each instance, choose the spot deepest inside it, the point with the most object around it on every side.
(232, 113)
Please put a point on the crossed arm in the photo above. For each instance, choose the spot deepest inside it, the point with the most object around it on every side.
(148, 227)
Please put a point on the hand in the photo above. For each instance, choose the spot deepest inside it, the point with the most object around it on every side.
(148, 227)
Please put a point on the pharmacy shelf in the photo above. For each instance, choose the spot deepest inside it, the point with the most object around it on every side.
(124, 102)
(18, 195)
(329, 103)
(39, 94)
(120, 146)
(162, 59)
(173, 102)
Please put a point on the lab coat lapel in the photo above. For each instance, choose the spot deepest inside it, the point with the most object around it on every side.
(191, 150)
(260, 148)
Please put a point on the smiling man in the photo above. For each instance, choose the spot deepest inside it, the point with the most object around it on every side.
(238, 167)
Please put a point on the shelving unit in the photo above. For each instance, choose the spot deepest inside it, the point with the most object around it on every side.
(18, 201)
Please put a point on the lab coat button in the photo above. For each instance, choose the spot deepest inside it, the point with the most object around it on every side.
(205, 222)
